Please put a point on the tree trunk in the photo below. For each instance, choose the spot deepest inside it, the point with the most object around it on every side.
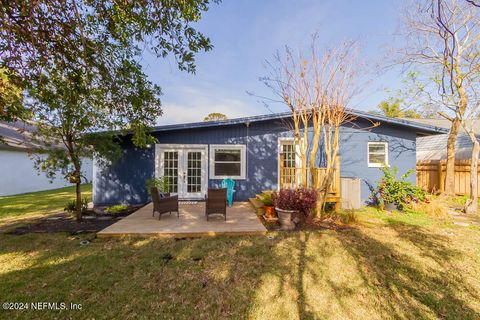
(78, 209)
(78, 192)
(76, 178)
(451, 149)
(472, 203)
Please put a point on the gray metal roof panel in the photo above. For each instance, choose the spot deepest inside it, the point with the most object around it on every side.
(397, 121)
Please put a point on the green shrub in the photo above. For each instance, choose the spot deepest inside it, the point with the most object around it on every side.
(161, 183)
(266, 198)
(116, 209)
(390, 189)
(71, 205)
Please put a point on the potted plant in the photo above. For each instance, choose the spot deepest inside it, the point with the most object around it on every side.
(161, 184)
(286, 203)
(266, 198)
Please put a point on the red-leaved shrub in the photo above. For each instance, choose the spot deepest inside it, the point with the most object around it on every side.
(302, 199)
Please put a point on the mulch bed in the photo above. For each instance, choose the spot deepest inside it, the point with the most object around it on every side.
(63, 222)
(308, 224)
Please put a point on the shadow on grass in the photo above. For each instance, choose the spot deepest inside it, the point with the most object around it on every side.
(241, 277)
(406, 287)
(182, 279)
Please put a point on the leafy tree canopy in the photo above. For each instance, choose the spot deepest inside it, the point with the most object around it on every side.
(101, 36)
(11, 97)
(214, 116)
(76, 63)
(391, 108)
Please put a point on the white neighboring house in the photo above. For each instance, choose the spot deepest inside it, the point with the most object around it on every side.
(17, 172)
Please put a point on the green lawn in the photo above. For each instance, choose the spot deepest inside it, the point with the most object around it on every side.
(390, 266)
(36, 204)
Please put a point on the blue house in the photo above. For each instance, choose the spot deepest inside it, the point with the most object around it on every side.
(196, 156)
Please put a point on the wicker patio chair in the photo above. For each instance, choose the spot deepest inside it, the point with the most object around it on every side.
(216, 202)
(163, 205)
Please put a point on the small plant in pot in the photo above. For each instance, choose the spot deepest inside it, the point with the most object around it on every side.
(266, 197)
(286, 203)
(162, 184)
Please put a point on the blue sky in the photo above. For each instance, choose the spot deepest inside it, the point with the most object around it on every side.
(246, 33)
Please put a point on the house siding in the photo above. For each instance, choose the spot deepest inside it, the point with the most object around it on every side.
(354, 152)
(18, 174)
(124, 182)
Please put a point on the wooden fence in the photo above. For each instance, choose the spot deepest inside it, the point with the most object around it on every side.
(431, 175)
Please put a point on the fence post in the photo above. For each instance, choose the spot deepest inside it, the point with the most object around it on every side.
(441, 177)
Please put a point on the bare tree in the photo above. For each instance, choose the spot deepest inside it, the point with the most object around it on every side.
(471, 206)
(317, 88)
(336, 79)
(443, 41)
(288, 80)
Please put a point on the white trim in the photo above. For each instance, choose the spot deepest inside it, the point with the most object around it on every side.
(289, 140)
(182, 150)
(377, 165)
(243, 162)
(298, 158)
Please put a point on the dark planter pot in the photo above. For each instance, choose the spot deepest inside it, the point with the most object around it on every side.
(285, 218)
(270, 212)
(390, 206)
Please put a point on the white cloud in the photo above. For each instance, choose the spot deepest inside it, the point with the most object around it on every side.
(190, 104)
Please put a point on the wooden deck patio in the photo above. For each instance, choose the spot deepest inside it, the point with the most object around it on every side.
(241, 220)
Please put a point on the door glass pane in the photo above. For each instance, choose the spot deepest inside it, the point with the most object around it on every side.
(289, 155)
(170, 170)
(194, 172)
(289, 163)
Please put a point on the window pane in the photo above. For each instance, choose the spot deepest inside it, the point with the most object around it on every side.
(376, 148)
(289, 156)
(170, 170)
(227, 169)
(377, 158)
(227, 155)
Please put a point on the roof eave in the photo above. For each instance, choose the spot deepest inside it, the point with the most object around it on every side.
(194, 125)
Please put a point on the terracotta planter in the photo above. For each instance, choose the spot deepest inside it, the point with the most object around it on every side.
(270, 212)
(285, 218)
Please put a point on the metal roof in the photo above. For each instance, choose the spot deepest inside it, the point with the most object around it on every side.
(435, 147)
(360, 114)
(444, 123)
(20, 135)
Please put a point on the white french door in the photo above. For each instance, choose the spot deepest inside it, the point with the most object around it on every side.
(184, 167)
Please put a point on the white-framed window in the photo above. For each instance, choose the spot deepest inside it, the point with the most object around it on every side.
(377, 154)
(227, 161)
